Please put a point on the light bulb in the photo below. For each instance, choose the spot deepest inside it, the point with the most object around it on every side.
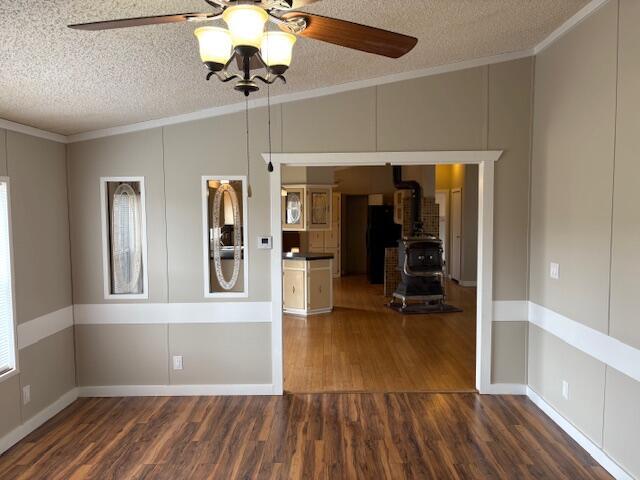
(246, 24)
(277, 49)
(215, 46)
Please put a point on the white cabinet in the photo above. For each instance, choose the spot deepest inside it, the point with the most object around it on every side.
(306, 207)
(328, 241)
(307, 287)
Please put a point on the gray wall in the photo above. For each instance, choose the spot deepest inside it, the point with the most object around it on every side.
(172, 160)
(449, 111)
(37, 172)
(137, 154)
(584, 197)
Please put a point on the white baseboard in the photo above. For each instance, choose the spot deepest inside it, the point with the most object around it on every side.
(594, 450)
(47, 413)
(175, 390)
(505, 389)
(468, 283)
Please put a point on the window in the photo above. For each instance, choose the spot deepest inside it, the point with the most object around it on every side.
(124, 237)
(224, 232)
(7, 329)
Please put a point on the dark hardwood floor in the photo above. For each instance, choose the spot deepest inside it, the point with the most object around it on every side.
(328, 436)
(362, 346)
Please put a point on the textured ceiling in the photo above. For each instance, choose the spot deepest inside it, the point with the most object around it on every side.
(68, 81)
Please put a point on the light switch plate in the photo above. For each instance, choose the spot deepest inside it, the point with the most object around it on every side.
(265, 242)
(565, 390)
(26, 394)
(554, 270)
(177, 362)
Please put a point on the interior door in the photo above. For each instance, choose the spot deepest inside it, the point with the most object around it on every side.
(442, 199)
(356, 221)
(456, 233)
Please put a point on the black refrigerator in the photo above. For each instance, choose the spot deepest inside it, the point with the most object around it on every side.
(382, 233)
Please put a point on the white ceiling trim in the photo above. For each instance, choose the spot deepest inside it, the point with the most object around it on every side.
(296, 96)
(34, 132)
(583, 13)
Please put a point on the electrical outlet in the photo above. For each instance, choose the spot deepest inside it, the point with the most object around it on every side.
(177, 362)
(565, 390)
(26, 394)
(554, 270)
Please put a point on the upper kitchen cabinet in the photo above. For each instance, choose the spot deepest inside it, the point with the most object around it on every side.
(306, 207)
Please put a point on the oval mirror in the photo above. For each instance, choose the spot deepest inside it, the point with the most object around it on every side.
(227, 213)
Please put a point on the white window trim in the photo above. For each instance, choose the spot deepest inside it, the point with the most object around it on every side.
(205, 236)
(106, 268)
(14, 353)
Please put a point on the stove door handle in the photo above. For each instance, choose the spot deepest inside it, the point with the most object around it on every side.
(406, 269)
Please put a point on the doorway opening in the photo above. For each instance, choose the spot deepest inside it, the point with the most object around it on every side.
(356, 300)
(347, 339)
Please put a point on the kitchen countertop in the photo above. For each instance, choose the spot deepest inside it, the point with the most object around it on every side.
(307, 256)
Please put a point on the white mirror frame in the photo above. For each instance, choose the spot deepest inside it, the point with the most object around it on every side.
(106, 257)
(205, 236)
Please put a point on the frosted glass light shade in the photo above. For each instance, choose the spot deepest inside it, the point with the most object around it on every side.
(246, 24)
(215, 44)
(277, 48)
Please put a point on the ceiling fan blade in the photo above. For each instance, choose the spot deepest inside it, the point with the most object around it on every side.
(353, 35)
(140, 21)
(301, 3)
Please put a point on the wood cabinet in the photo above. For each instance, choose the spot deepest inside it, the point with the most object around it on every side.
(293, 288)
(328, 241)
(398, 205)
(307, 287)
(306, 207)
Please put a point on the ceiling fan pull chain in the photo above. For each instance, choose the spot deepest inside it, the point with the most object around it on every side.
(270, 166)
(246, 110)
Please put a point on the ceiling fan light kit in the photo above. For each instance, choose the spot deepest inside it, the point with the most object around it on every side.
(246, 41)
(252, 47)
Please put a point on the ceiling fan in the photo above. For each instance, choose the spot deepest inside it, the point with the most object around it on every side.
(246, 41)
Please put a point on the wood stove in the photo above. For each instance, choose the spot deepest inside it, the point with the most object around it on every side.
(420, 262)
(421, 268)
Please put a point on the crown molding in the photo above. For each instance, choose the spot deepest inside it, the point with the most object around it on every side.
(34, 132)
(296, 96)
(578, 17)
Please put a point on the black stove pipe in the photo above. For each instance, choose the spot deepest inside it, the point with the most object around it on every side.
(416, 199)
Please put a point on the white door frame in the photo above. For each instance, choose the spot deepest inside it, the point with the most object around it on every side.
(446, 241)
(485, 160)
(459, 280)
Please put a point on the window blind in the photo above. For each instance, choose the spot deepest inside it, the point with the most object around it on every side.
(7, 345)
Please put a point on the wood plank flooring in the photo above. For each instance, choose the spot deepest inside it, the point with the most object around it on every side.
(328, 436)
(364, 346)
